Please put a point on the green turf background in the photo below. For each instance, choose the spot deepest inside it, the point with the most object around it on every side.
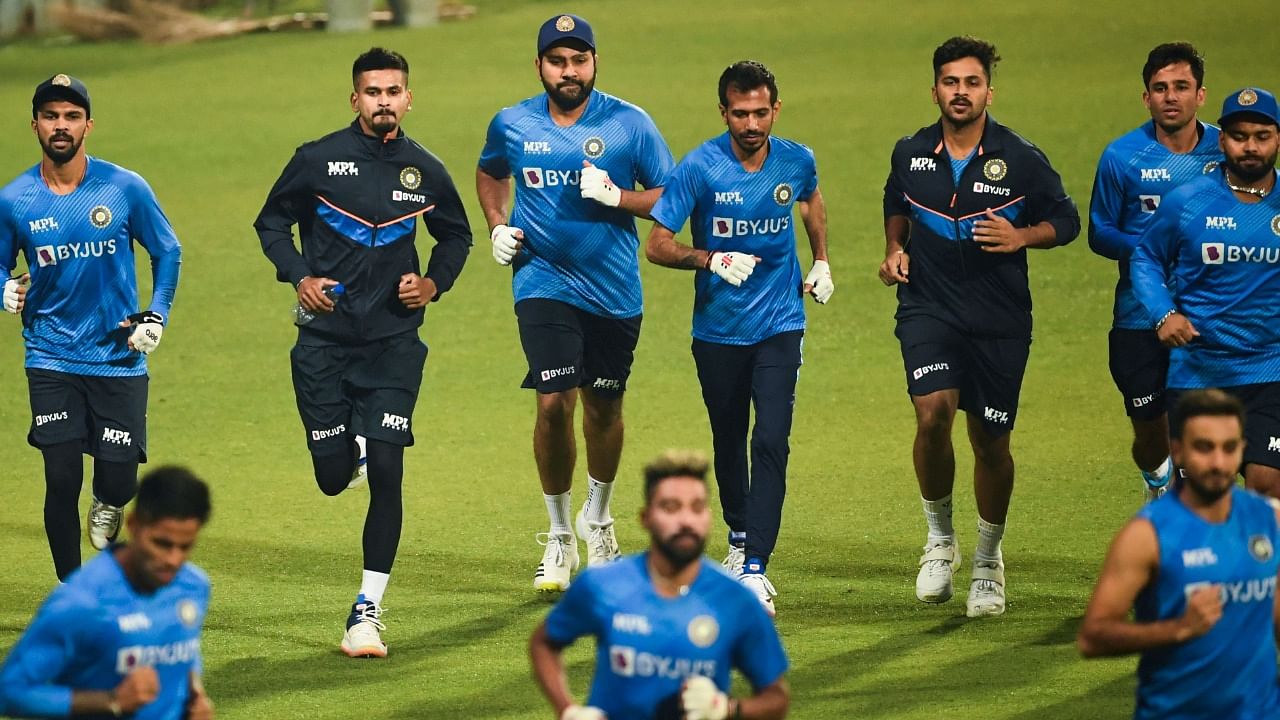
(210, 126)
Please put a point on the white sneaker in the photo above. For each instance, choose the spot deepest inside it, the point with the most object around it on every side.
(986, 589)
(364, 630)
(763, 589)
(734, 561)
(103, 523)
(559, 561)
(937, 568)
(1151, 492)
(602, 544)
(361, 474)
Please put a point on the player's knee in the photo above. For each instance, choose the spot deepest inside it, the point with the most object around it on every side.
(556, 408)
(333, 472)
(992, 452)
(934, 418)
(602, 412)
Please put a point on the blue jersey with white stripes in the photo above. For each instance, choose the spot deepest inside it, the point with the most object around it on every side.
(576, 250)
(732, 210)
(1230, 671)
(94, 630)
(1216, 260)
(1134, 173)
(79, 251)
(647, 644)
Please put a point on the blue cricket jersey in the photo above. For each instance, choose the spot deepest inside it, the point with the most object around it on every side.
(1217, 261)
(647, 645)
(733, 210)
(95, 629)
(79, 251)
(1134, 173)
(1230, 671)
(576, 251)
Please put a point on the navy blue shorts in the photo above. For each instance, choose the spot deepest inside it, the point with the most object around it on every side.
(987, 371)
(567, 347)
(1261, 420)
(1139, 367)
(107, 415)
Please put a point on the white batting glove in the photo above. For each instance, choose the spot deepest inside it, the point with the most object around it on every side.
(732, 267)
(702, 700)
(14, 295)
(596, 185)
(506, 243)
(578, 712)
(819, 280)
(147, 328)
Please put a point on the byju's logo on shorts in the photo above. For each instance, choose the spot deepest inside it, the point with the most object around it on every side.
(923, 163)
(331, 432)
(993, 415)
(555, 373)
(1145, 400)
(42, 225)
(1212, 253)
(1149, 203)
(925, 370)
(50, 417)
(343, 168)
(117, 437)
(395, 422)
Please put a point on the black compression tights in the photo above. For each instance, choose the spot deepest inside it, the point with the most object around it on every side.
(386, 504)
(114, 483)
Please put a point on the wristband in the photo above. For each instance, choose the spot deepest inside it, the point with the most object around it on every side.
(113, 705)
(1161, 321)
(707, 265)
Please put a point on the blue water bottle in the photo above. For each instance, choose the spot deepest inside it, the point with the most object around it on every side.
(303, 316)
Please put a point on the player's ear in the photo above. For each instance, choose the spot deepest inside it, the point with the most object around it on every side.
(354, 97)
(88, 126)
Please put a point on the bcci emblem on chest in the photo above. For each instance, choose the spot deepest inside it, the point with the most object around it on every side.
(1260, 548)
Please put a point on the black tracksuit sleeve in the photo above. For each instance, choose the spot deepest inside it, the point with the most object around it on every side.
(448, 224)
(1048, 202)
(895, 202)
(288, 203)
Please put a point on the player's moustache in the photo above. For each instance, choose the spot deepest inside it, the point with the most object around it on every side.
(60, 136)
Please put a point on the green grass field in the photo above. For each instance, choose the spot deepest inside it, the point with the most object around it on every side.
(210, 126)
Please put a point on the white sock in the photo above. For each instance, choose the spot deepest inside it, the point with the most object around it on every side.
(989, 535)
(1160, 476)
(559, 508)
(373, 585)
(596, 510)
(937, 513)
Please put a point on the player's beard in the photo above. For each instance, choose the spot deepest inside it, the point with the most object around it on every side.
(1252, 173)
(569, 102)
(1209, 494)
(61, 157)
(384, 122)
(681, 554)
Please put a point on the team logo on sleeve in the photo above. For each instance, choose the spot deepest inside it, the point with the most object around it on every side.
(564, 23)
(1149, 203)
(995, 169)
(1212, 253)
(188, 613)
(1247, 97)
(1275, 224)
(1209, 167)
(1260, 548)
(100, 216)
(593, 147)
(411, 178)
(783, 193)
(703, 630)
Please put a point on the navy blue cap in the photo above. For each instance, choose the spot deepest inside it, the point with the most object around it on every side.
(565, 27)
(61, 87)
(1251, 101)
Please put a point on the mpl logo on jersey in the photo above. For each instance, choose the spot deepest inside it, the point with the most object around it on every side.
(731, 197)
(42, 225)
(1219, 253)
(53, 254)
(537, 147)
(1219, 222)
(628, 662)
(1149, 203)
(538, 178)
(632, 623)
(343, 168)
(727, 227)
(1199, 557)
(923, 163)
(1155, 174)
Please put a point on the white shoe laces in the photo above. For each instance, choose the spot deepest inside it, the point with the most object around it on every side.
(760, 584)
(601, 542)
(554, 544)
(370, 612)
(735, 559)
(105, 518)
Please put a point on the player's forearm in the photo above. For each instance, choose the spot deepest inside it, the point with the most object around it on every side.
(813, 213)
(548, 670)
(493, 194)
(770, 703)
(1103, 638)
(640, 202)
(1039, 236)
(662, 249)
(164, 281)
(1150, 287)
(1108, 241)
(290, 265)
(897, 228)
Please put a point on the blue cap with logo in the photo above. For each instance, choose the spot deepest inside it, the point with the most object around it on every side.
(560, 28)
(1251, 101)
(61, 87)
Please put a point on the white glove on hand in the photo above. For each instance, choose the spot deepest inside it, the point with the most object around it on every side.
(506, 243)
(596, 185)
(147, 328)
(12, 297)
(578, 712)
(702, 700)
(819, 282)
(732, 267)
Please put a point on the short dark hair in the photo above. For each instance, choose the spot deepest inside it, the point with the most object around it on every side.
(963, 46)
(1204, 403)
(172, 492)
(745, 76)
(376, 58)
(674, 463)
(1167, 54)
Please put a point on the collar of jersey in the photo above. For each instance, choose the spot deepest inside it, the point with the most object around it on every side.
(992, 138)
